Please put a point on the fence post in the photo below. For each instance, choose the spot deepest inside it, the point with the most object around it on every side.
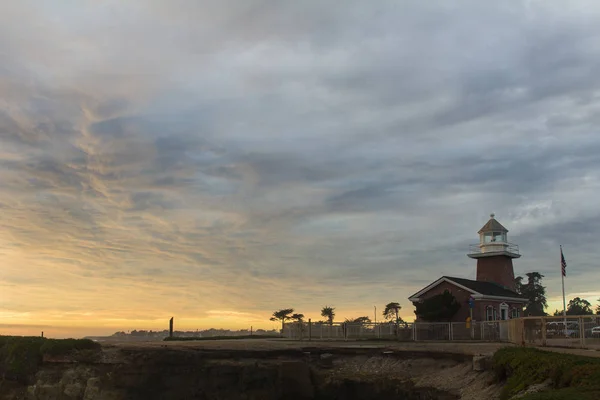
(544, 342)
(309, 330)
(345, 328)
(451, 331)
(482, 331)
(415, 331)
(581, 333)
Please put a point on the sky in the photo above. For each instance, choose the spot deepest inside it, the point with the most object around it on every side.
(214, 161)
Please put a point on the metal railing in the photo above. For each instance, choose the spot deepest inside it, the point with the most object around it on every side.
(573, 331)
(494, 247)
(579, 331)
(420, 331)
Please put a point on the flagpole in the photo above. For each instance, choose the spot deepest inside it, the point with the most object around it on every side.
(562, 275)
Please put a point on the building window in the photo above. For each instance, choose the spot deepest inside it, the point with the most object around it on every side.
(514, 313)
(489, 313)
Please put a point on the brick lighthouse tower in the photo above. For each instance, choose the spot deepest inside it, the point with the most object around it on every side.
(494, 255)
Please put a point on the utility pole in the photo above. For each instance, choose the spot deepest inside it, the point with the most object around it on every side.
(375, 319)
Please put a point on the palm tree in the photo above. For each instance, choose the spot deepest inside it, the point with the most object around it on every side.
(329, 313)
(391, 311)
(297, 317)
(282, 315)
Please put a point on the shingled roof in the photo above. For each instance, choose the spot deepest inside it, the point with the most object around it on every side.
(485, 288)
(477, 287)
(493, 226)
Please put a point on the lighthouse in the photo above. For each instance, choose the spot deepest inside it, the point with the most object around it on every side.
(494, 255)
(492, 295)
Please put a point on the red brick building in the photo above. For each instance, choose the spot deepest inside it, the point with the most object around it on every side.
(492, 294)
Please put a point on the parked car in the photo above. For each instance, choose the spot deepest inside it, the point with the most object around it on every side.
(557, 329)
(596, 331)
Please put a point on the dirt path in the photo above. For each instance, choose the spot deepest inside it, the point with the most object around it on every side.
(468, 348)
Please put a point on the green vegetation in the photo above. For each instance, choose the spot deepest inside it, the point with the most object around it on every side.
(438, 308)
(579, 306)
(184, 338)
(21, 356)
(571, 376)
(535, 293)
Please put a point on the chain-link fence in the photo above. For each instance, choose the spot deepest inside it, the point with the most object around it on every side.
(578, 331)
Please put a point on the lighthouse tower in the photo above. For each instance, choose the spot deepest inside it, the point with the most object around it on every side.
(494, 255)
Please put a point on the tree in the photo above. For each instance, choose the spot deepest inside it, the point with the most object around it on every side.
(579, 306)
(598, 308)
(329, 313)
(282, 315)
(438, 308)
(391, 312)
(297, 317)
(359, 320)
(535, 293)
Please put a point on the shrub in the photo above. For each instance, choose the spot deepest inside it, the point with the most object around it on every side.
(21, 356)
(570, 374)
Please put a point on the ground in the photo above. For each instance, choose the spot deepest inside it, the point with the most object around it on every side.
(470, 348)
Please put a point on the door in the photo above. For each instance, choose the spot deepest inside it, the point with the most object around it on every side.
(503, 321)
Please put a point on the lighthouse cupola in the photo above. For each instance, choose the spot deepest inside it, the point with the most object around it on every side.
(494, 254)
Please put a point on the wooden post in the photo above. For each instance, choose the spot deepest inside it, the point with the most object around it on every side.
(451, 331)
(250, 330)
(415, 331)
(309, 330)
(171, 327)
(42, 333)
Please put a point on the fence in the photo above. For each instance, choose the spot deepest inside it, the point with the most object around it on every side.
(578, 331)
(572, 331)
(421, 331)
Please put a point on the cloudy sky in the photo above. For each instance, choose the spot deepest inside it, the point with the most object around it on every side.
(217, 160)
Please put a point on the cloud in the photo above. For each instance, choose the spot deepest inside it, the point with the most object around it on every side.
(171, 159)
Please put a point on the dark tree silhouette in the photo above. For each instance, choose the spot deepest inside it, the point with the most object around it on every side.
(329, 313)
(297, 317)
(438, 308)
(359, 320)
(579, 306)
(282, 315)
(598, 308)
(391, 312)
(535, 293)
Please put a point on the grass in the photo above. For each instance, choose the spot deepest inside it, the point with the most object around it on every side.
(183, 339)
(571, 376)
(21, 356)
